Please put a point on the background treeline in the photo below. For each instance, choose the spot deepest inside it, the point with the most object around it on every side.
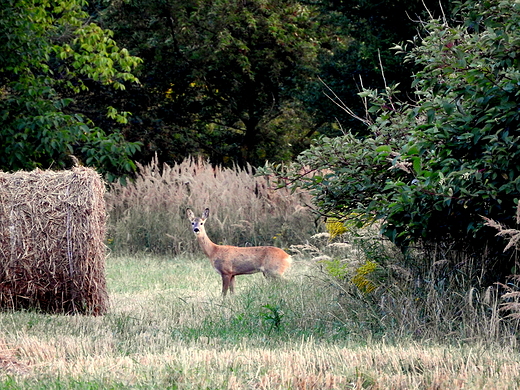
(238, 81)
(235, 81)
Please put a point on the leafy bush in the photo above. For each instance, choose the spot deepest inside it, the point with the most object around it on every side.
(431, 168)
(49, 53)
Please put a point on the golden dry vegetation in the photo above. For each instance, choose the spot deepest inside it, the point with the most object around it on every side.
(169, 328)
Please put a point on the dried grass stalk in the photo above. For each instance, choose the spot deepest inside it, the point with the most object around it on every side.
(52, 231)
(512, 235)
(511, 297)
(149, 214)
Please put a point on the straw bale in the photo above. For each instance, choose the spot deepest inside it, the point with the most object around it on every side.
(52, 251)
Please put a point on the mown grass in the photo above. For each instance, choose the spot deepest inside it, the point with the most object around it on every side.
(168, 328)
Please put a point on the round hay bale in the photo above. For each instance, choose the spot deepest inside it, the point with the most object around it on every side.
(52, 251)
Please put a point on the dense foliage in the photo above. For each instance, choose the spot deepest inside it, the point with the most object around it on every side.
(372, 28)
(431, 169)
(238, 81)
(215, 74)
(218, 77)
(232, 81)
(50, 51)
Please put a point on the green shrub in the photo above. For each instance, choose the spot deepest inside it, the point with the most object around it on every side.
(431, 168)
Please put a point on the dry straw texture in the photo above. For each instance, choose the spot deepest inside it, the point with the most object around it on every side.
(511, 296)
(52, 251)
(149, 214)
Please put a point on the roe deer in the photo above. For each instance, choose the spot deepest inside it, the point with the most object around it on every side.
(230, 261)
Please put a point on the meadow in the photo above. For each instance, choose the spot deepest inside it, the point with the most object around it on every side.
(352, 313)
(168, 328)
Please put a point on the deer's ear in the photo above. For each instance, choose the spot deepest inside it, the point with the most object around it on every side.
(205, 214)
(190, 214)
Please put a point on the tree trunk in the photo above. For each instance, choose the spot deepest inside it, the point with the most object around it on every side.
(249, 142)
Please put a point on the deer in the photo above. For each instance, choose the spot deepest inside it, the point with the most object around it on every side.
(230, 261)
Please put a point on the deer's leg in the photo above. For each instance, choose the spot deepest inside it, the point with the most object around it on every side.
(232, 284)
(226, 280)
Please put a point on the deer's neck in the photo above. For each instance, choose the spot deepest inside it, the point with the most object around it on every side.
(208, 246)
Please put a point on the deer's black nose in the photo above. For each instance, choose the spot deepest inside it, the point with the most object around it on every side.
(196, 230)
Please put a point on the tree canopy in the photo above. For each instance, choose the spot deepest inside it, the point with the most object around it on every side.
(218, 76)
(49, 52)
(232, 81)
(238, 81)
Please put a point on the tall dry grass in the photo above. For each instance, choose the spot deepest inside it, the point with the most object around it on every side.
(382, 293)
(148, 214)
(510, 298)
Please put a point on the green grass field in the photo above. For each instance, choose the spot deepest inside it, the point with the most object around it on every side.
(169, 328)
